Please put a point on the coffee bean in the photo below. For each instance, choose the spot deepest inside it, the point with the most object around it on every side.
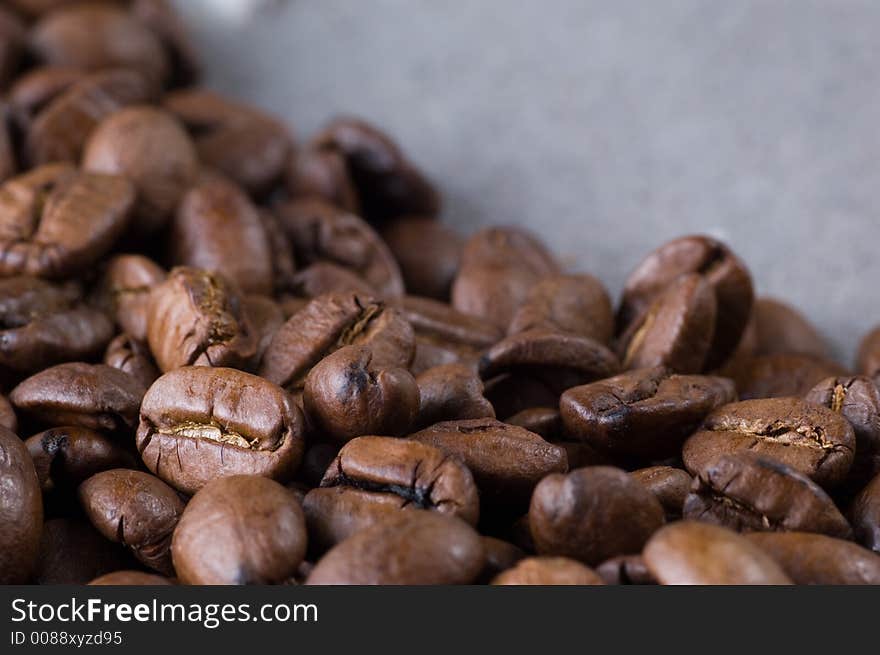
(35, 89)
(811, 439)
(8, 419)
(780, 375)
(506, 461)
(690, 553)
(21, 511)
(500, 556)
(413, 548)
(817, 559)
(780, 328)
(124, 291)
(135, 509)
(323, 277)
(73, 552)
(625, 570)
(592, 514)
(451, 392)
(242, 529)
(267, 317)
(428, 253)
(129, 579)
(164, 21)
(668, 484)
(280, 252)
(548, 571)
(865, 515)
(643, 413)
(868, 356)
(132, 357)
(513, 393)
(313, 172)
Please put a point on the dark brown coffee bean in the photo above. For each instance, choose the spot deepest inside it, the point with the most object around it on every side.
(324, 277)
(331, 322)
(817, 559)
(314, 172)
(199, 423)
(811, 439)
(592, 514)
(242, 142)
(33, 90)
(691, 553)
(132, 357)
(675, 331)
(92, 396)
(8, 419)
(644, 413)
(73, 552)
(865, 515)
(267, 318)
(776, 376)
(280, 251)
(96, 36)
(569, 303)
(449, 393)
(347, 395)
(559, 359)
(498, 269)
(748, 492)
(129, 579)
(868, 358)
(413, 548)
(217, 228)
(424, 476)
(243, 529)
(625, 570)
(124, 291)
(428, 253)
(319, 231)
(548, 571)
(152, 150)
(388, 184)
(506, 461)
(500, 556)
(780, 328)
(56, 222)
(196, 318)
(135, 509)
(668, 484)
(722, 270)
(544, 421)
(64, 457)
(21, 511)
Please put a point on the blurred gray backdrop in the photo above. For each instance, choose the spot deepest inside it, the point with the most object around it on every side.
(609, 126)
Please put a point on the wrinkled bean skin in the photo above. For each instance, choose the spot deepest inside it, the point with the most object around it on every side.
(865, 516)
(451, 392)
(668, 484)
(548, 571)
(592, 514)
(427, 252)
(125, 289)
(413, 548)
(135, 509)
(691, 553)
(199, 423)
(130, 578)
(779, 375)
(21, 511)
(214, 540)
(73, 552)
(817, 559)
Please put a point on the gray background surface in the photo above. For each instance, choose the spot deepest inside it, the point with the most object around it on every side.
(609, 126)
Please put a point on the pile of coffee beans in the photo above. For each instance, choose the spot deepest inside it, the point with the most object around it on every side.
(229, 356)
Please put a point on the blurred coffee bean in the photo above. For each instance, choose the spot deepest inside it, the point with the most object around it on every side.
(428, 253)
(73, 552)
(668, 484)
(548, 571)
(124, 291)
(776, 376)
(132, 357)
(817, 559)
(865, 515)
(318, 173)
(451, 392)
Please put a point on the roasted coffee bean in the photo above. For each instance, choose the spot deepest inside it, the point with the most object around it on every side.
(93, 396)
(506, 461)
(625, 570)
(319, 231)
(21, 511)
(346, 396)
(329, 323)
(125, 289)
(780, 328)
(722, 270)
(428, 253)
(548, 571)
(34, 89)
(498, 269)
(412, 548)
(280, 252)
(324, 277)
(749, 492)
(56, 221)
(500, 556)
(66, 456)
(777, 376)
(200, 423)
(96, 36)
(132, 357)
(691, 553)
(135, 509)
(424, 476)
(592, 514)
(217, 228)
(811, 439)
(578, 304)
(151, 149)
(865, 515)
(668, 484)
(196, 318)
(243, 529)
(8, 419)
(676, 330)
(129, 579)
(544, 421)
(244, 143)
(161, 17)
(44, 324)
(643, 413)
(60, 130)
(559, 359)
(868, 357)
(451, 392)
(817, 559)
(73, 552)
(267, 318)
(388, 185)
(314, 172)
